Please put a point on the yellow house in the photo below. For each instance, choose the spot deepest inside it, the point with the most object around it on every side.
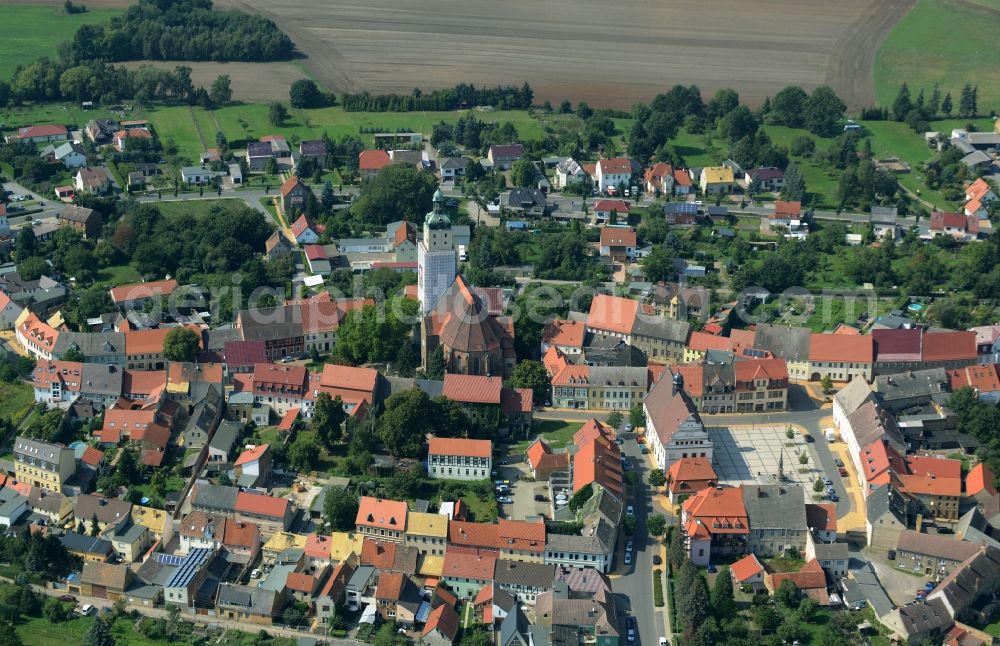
(155, 520)
(717, 179)
(427, 532)
(344, 544)
(41, 464)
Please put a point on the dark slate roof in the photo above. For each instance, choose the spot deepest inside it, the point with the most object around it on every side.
(517, 573)
(790, 343)
(85, 544)
(211, 496)
(775, 506)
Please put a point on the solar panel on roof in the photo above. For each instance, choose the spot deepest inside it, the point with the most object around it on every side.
(755, 353)
(169, 559)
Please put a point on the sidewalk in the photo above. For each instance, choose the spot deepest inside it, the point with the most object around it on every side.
(854, 519)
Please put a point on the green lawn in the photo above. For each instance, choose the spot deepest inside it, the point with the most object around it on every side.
(16, 398)
(945, 42)
(117, 275)
(198, 208)
(35, 31)
(694, 149)
(175, 123)
(41, 632)
(556, 434)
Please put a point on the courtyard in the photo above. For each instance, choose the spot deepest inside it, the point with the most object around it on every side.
(751, 455)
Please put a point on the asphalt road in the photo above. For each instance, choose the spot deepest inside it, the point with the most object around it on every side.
(634, 588)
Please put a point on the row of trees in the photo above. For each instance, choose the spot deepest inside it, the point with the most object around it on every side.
(472, 134)
(917, 111)
(463, 95)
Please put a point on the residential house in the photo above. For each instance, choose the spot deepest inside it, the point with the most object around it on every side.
(717, 179)
(441, 627)
(594, 548)
(768, 178)
(525, 202)
(917, 621)
(248, 604)
(618, 243)
(332, 594)
(12, 506)
(961, 227)
(9, 312)
(42, 464)
(304, 231)
(129, 540)
(459, 458)
(841, 357)
(104, 580)
(543, 462)
(978, 196)
(253, 465)
(370, 162)
(140, 295)
(294, 194)
(810, 581)
(884, 221)
(270, 514)
(277, 245)
(674, 429)
(687, 477)
(502, 157)
(69, 154)
(904, 390)
(55, 507)
(777, 517)
(575, 620)
(86, 221)
(426, 532)
(748, 571)
(975, 579)
(521, 540)
(568, 172)
(258, 154)
(277, 328)
(92, 181)
(714, 521)
(822, 521)
(566, 336)
(786, 214)
(35, 336)
(41, 134)
(397, 599)
(452, 168)
(120, 138)
(382, 519)
(983, 379)
(932, 555)
(610, 211)
(659, 179)
(100, 130)
(613, 173)
(197, 175)
(87, 548)
(313, 149)
(466, 573)
(832, 557)
(524, 580)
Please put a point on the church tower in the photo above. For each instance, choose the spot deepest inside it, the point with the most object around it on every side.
(437, 264)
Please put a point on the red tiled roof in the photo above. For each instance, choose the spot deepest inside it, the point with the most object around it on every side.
(746, 567)
(245, 353)
(592, 429)
(716, 511)
(92, 456)
(467, 534)
(150, 341)
(564, 333)
(941, 220)
(252, 455)
(390, 586)
(152, 458)
(811, 576)
(921, 465)
(658, 171)
(506, 150)
(703, 341)
(930, 485)
(979, 479)
(789, 210)
(46, 130)
(349, 377)
(125, 134)
(300, 582)
(269, 373)
(877, 459)
(615, 166)
(459, 446)
(771, 369)
(572, 374)
(289, 419)
(300, 225)
(384, 514)
(681, 177)
(443, 619)
(606, 206)
(839, 348)
(822, 516)
(378, 554)
(598, 462)
(473, 389)
(261, 505)
(136, 291)
(289, 184)
(240, 534)
(373, 159)
(516, 400)
(143, 383)
(618, 237)
(462, 565)
(953, 345)
(317, 546)
(315, 252)
(612, 313)
(690, 475)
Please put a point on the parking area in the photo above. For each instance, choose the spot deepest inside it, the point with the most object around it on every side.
(752, 454)
(522, 494)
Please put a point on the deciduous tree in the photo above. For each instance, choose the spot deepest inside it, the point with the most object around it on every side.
(181, 344)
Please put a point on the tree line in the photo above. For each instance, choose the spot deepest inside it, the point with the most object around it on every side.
(463, 95)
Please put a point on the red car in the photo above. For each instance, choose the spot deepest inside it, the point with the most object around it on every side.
(639, 439)
(68, 597)
(843, 472)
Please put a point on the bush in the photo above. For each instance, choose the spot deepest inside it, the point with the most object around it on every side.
(803, 146)
(658, 588)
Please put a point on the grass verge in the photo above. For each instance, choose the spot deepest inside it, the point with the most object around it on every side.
(658, 588)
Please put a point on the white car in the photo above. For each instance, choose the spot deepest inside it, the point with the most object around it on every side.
(631, 634)
(629, 511)
(628, 546)
(664, 642)
(255, 574)
(628, 558)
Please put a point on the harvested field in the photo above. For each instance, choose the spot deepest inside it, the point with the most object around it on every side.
(606, 54)
(250, 81)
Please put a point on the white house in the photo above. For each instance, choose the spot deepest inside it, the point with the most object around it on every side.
(197, 174)
(459, 458)
(674, 429)
(612, 172)
(568, 172)
(12, 506)
(9, 311)
(71, 155)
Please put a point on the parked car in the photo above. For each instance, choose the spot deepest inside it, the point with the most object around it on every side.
(843, 472)
(809, 438)
(68, 597)
(504, 500)
(619, 440)
(710, 569)
(664, 642)
(628, 558)
(540, 498)
(838, 462)
(451, 203)
(834, 498)
(891, 554)
(629, 511)
(631, 634)
(628, 427)
(644, 450)
(657, 560)
(87, 610)
(828, 482)
(628, 546)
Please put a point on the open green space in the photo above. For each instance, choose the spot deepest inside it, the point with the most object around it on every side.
(173, 124)
(949, 42)
(556, 434)
(16, 397)
(117, 275)
(35, 31)
(197, 208)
